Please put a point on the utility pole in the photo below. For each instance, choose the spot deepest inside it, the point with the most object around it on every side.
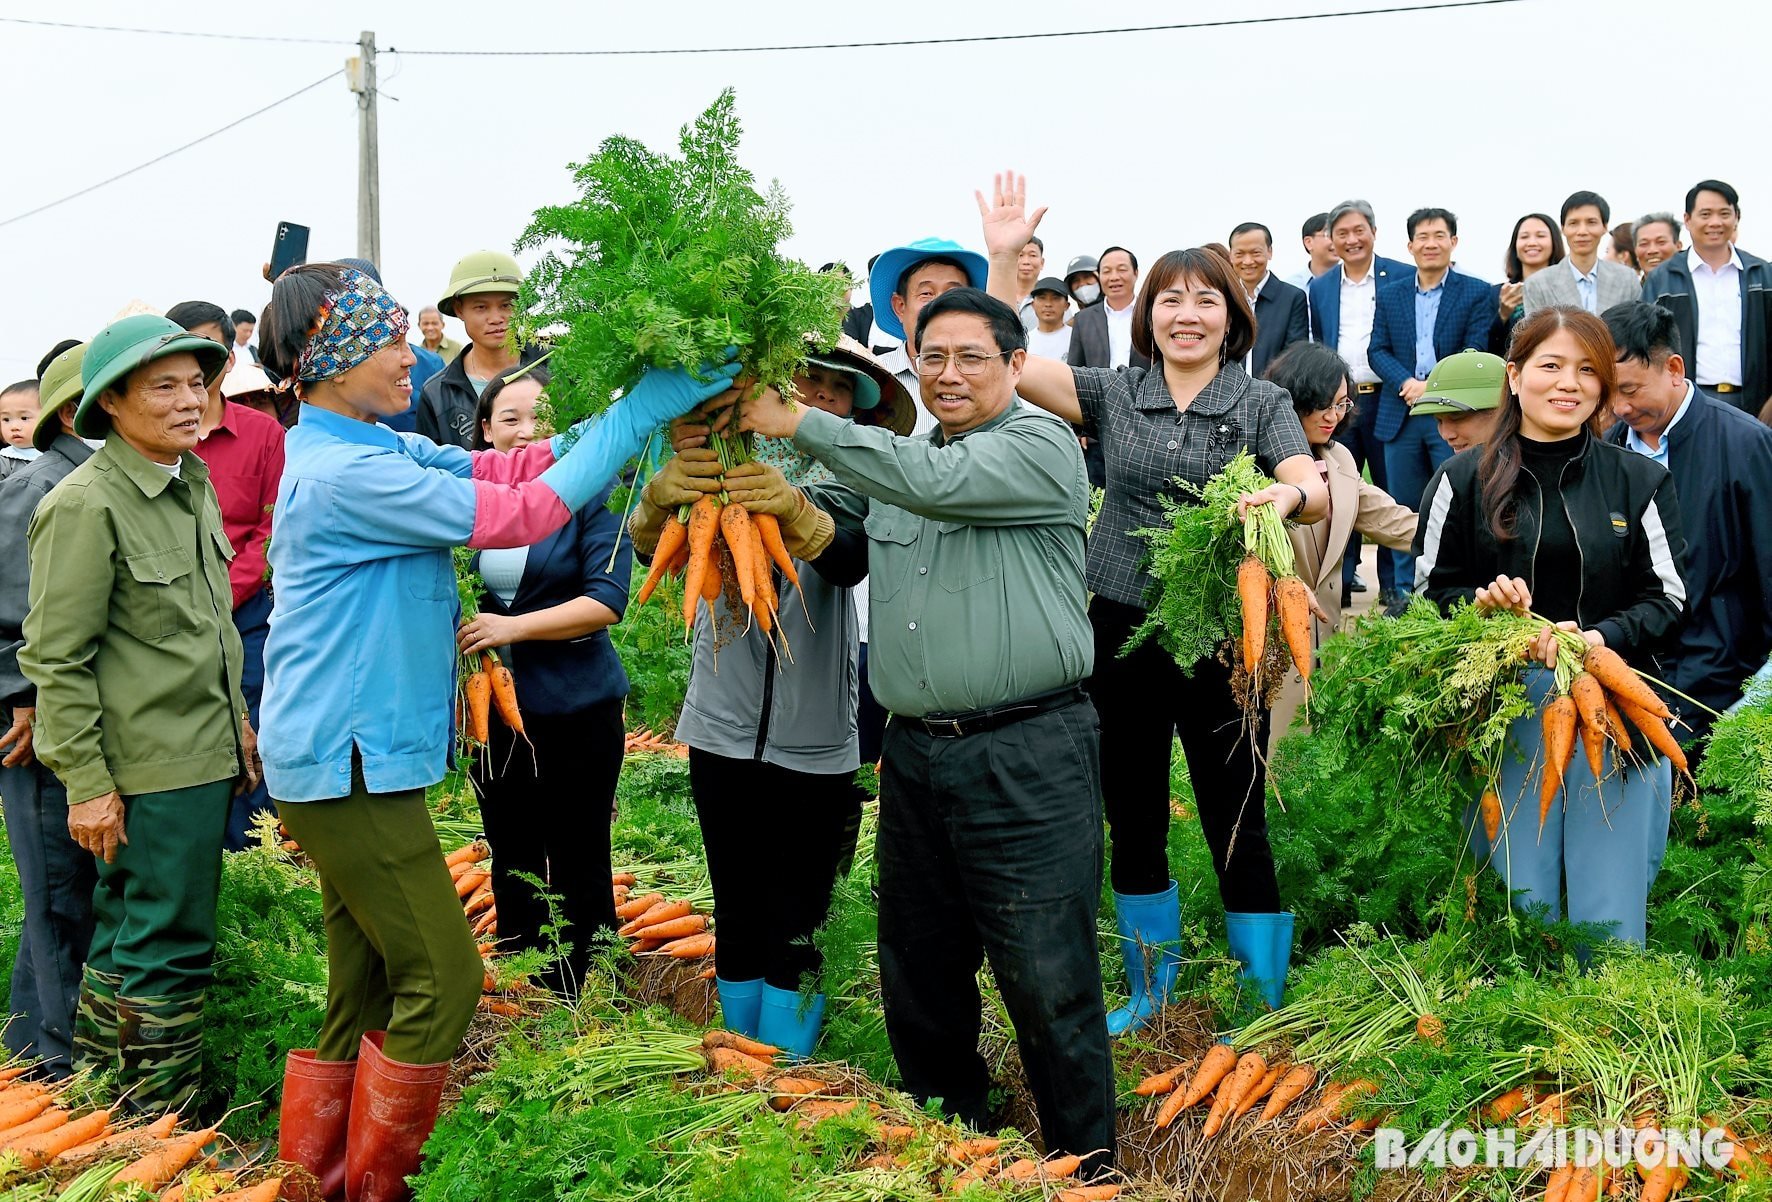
(360, 71)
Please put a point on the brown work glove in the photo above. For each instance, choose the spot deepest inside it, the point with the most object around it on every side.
(806, 530)
(684, 479)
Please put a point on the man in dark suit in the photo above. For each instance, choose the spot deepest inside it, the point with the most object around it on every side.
(1281, 317)
(1419, 322)
(1343, 305)
(1101, 335)
(1721, 460)
(1721, 296)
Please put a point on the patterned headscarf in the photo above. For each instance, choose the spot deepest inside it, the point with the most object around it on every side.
(355, 322)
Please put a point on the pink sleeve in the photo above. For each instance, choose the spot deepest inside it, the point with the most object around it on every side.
(514, 467)
(515, 515)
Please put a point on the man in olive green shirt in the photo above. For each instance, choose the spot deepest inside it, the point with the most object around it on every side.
(990, 781)
(131, 644)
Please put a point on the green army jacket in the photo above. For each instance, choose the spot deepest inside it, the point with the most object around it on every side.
(130, 635)
(975, 556)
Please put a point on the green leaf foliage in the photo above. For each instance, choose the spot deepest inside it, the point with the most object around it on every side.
(665, 261)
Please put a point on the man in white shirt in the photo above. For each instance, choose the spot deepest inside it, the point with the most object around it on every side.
(1721, 297)
(1321, 249)
(1050, 337)
(1343, 304)
(1101, 335)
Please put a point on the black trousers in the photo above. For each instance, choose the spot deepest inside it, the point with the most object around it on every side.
(990, 846)
(1145, 701)
(547, 816)
(773, 838)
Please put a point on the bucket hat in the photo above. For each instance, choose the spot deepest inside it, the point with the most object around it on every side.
(59, 385)
(878, 392)
(128, 344)
(883, 278)
(1466, 382)
(482, 271)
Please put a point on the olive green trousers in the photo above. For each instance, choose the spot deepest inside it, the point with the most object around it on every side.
(399, 954)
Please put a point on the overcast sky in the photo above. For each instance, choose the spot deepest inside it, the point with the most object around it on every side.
(1152, 140)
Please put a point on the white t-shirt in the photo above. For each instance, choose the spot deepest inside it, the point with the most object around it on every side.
(1119, 324)
(501, 570)
(1055, 345)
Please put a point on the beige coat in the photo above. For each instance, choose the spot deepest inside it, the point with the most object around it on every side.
(1354, 504)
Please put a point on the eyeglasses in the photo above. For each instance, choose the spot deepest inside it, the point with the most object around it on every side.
(969, 363)
(1336, 407)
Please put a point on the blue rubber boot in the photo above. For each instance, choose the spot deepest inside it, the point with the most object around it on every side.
(1150, 943)
(1263, 943)
(789, 1026)
(740, 1002)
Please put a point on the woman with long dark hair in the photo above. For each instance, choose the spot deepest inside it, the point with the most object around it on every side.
(1536, 243)
(1185, 417)
(546, 610)
(1552, 520)
(359, 675)
(1321, 387)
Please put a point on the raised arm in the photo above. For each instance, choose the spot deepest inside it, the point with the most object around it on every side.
(1047, 383)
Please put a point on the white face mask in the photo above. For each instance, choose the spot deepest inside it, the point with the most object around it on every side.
(1088, 294)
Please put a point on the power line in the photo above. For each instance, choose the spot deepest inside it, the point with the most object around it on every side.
(177, 33)
(991, 37)
(175, 150)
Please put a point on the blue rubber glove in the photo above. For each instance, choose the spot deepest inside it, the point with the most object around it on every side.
(593, 451)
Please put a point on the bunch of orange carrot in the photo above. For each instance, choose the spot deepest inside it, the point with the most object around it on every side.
(1237, 1084)
(486, 687)
(655, 925)
(644, 741)
(1591, 704)
(717, 546)
(37, 1134)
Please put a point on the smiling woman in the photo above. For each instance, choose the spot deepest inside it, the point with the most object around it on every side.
(1551, 520)
(359, 668)
(1183, 419)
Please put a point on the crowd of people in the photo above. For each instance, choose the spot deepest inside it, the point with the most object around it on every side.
(215, 526)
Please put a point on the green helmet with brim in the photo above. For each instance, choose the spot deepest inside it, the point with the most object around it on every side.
(130, 343)
(482, 271)
(1468, 382)
(59, 385)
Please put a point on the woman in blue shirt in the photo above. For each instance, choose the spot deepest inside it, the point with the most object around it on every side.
(359, 674)
(547, 803)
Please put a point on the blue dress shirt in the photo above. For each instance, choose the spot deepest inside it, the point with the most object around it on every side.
(1427, 312)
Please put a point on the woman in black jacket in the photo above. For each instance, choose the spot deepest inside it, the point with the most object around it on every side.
(549, 606)
(1548, 518)
(1535, 245)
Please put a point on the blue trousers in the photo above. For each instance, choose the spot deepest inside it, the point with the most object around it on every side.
(1602, 843)
(1409, 462)
(1368, 453)
(253, 621)
(56, 878)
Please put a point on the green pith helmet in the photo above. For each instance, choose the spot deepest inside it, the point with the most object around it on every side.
(60, 384)
(130, 343)
(482, 271)
(1463, 383)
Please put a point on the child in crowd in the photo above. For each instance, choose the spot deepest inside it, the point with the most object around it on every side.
(18, 417)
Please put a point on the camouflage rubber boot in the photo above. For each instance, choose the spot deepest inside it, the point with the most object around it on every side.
(95, 1021)
(160, 1044)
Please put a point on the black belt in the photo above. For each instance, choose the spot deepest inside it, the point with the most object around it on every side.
(1365, 389)
(958, 726)
(1721, 387)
